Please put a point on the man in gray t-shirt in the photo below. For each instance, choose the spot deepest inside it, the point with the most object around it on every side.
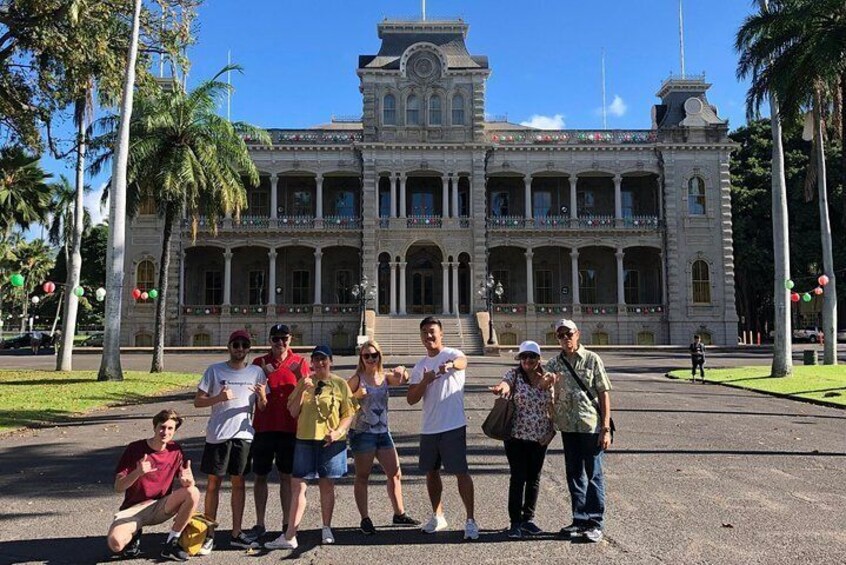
(232, 389)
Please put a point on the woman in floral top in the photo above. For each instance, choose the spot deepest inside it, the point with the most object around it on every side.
(531, 433)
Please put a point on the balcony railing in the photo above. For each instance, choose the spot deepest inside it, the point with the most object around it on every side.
(597, 221)
(202, 310)
(565, 222)
(572, 137)
(424, 221)
(554, 308)
(507, 222)
(644, 309)
(310, 137)
(342, 223)
(295, 222)
(247, 309)
(597, 309)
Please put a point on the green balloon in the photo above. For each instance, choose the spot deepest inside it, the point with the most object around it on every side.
(788, 284)
(153, 293)
(806, 297)
(17, 280)
(79, 291)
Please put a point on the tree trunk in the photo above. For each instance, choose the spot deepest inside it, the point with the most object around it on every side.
(110, 368)
(161, 304)
(830, 295)
(64, 360)
(782, 337)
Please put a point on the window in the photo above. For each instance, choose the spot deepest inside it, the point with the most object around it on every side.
(543, 287)
(463, 204)
(541, 204)
(343, 285)
(600, 338)
(256, 287)
(412, 110)
(147, 207)
(145, 275)
(701, 283)
(384, 204)
(458, 110)
(143, 340)
(300, 287)
(645, 338)
(631, 288)
(435, 111)
(422, 204)
(213, 287)
(585, 201)
(302, 203)
(507, 338)
(201, 340)
(502, 277)
(499, 204)
(696, 196)
(587, 286)
(344, 204)
(257, 203)
(389, 110)
(627, 199)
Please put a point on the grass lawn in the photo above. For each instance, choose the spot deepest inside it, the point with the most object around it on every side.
(36, 397)
(817, 382)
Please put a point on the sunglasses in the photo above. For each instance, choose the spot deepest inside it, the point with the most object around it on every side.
(319, 386)
(278, 338)
(319, 358)
(370, 356)
(528, 357)
(240, 345)
(565, 335)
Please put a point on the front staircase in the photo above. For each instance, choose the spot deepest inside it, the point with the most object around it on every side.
(400, 335)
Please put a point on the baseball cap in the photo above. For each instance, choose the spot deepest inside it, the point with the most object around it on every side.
(240, 334)
(323, 350)
(570, 325)
(529, 347)
(280, 329)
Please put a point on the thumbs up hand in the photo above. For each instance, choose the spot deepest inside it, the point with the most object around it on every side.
(145, 465)
(225, 394)
(186, 476)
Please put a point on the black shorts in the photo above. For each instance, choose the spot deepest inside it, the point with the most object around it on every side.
(448, 448)
(268, 446)
(232, 457)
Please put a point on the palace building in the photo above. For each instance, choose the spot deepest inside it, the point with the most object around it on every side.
(626, 231)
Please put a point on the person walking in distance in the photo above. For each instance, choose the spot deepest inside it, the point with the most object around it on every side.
(697, 358)
(232, 389)
(438, 380)
(276, 429)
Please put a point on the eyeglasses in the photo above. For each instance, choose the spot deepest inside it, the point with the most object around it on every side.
(528, 357)
(278, 338)
(240, 345)
(370, 356)
(566, 335)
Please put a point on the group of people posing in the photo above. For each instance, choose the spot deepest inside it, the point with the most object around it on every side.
(301, 417)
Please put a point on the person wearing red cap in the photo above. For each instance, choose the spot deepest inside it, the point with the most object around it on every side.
(232, 389)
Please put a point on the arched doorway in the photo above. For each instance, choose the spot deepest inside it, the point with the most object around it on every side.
(424, 264)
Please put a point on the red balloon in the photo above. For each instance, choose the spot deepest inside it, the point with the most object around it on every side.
(48, 287)
(794, 296)
(136, 293)
(144, 296)
(823, 280)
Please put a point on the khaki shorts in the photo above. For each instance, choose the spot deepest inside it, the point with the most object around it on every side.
(148, 513)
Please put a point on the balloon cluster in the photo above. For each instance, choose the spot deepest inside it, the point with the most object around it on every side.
(806, 296)
(139, 294)
(49, 287)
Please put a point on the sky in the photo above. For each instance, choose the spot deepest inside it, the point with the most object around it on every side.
(300, 57)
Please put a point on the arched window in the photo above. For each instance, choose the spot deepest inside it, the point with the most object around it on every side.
(145, 275)
(508, 338)
(412, 110)
(435, 110)
(600, 338)
(201, 340)
(147, 206)
(701, 283)
(645, 338)
(389, 110)
(458, 110)
(143, 339)
(696, 196)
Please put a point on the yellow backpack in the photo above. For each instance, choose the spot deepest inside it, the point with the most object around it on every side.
(195, 533)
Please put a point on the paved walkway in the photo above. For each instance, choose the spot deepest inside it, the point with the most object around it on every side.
(698, 474)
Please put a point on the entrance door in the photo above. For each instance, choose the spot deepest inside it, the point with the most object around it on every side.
(422, 292)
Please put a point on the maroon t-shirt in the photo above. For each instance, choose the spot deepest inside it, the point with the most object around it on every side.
(156, 484)
(281, 382)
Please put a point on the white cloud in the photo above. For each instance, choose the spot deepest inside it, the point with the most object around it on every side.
(617, 107)
(545, 122)
(92, 203)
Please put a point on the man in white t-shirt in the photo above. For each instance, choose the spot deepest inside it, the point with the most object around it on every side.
(438, 380)
(231, 389)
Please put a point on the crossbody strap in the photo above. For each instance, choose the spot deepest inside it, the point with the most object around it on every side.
(579, 382)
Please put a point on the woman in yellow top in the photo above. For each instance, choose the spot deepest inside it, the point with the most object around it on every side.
(323, 406)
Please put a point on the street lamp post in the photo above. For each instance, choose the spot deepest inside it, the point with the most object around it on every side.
(363, 292)
(490, 288)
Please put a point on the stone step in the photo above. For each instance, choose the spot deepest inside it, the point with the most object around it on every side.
(400, 335)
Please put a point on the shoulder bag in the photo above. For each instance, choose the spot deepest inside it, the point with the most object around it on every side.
(588, 392)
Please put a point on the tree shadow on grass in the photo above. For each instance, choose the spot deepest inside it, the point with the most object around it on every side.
(53, 381)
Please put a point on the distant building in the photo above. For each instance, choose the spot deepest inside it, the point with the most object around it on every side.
(626, 231)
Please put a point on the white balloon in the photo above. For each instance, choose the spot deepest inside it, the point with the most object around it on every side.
(35, 300)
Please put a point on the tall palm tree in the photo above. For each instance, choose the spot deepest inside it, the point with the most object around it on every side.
(190, 161)
(793, 51)
(8, 265)
(24, 190)
(35, 259)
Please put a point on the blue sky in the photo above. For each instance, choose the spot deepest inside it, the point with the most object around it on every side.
(299, 58)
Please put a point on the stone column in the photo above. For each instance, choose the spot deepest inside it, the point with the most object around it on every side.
(455, 300)
(470, 207)
(663, 278)
(574, 268)
(445, 284)
(621, 279)
(393, 282)
(274, 198)
(402, 305)
(618, 197)
(574, 201)
(393, 213)
(445, 198)
(378, 200)
(182, 256)
(318, 276)
(319, 198)
(402, 209)
(271, 279)
(227, 276)
(455, 211)
(527, 196)
(530, 278)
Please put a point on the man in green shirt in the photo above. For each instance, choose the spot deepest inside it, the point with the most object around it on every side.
(585, 427)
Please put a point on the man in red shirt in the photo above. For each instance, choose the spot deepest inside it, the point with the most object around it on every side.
(145, 474)
(275, 428)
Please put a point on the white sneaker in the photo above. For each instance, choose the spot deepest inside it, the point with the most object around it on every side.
(471, 530)
(327, 535)
(282, 543)
(435, 524)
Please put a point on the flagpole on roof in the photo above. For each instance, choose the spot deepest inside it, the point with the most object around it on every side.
(424, 10)
(681, 37)
(604, 106)
(229, 90)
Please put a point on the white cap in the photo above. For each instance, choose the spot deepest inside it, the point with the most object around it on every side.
(565, 323)
(529, 347)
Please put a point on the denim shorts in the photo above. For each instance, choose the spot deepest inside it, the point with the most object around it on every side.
(366, 442)
(312, 460)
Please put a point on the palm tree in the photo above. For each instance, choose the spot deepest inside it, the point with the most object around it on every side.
(24, 190)
(8, 263)
(189, 161)
(35, 259)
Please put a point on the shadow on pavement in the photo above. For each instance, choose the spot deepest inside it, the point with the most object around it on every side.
(91, 549)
